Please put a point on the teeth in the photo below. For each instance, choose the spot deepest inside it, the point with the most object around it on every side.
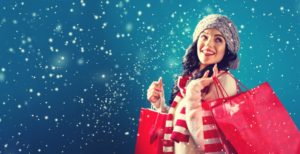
(208, 52)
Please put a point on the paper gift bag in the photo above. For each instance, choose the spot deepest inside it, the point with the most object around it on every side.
(256, 122)
(150, 132)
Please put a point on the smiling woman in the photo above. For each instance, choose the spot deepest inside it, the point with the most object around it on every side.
(188, 128)
(211, 45)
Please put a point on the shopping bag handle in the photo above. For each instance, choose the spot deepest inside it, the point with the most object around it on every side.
(153, 132)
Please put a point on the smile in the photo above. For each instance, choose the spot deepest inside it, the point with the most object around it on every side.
(208, 52)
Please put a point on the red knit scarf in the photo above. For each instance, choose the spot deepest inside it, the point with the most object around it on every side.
(180, 133)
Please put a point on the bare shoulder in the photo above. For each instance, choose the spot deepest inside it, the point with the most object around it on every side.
(229, 83)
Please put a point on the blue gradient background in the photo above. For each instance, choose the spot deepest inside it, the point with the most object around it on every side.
(74, 74)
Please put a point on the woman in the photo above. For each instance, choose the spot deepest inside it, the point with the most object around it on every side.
(190, 128)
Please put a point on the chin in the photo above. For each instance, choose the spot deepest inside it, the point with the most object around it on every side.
(206, 62)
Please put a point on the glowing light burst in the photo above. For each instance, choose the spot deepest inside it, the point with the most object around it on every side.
(80, 61)
(100, 77)
(60, 61)
(58, 28)
(129, 27)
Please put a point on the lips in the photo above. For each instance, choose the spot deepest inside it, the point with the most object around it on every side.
(208, 52)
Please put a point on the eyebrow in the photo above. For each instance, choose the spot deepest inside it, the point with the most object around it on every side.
(220, 35)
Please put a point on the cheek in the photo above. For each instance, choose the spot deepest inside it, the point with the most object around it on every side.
(221, 48)
(199, 46)
(221, 56)
(221, 53)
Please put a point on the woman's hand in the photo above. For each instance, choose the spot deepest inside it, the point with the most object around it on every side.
(194, 88)
(155, 94)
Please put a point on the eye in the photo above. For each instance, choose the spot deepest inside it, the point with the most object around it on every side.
(219, 40)
(203, 37)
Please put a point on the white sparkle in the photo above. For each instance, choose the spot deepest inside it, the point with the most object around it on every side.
(139, 13)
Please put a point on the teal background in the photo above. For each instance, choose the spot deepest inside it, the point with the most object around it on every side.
(74, 74)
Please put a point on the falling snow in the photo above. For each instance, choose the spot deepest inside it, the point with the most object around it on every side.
(74, 74)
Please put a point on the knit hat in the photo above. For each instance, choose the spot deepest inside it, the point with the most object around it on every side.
(224, 25)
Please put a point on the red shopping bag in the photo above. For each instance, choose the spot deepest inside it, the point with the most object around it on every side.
(255, 122)
(150, 132)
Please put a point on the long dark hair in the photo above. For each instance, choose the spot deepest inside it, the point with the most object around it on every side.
(191, 62)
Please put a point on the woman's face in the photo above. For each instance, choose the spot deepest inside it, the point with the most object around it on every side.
(210, 47)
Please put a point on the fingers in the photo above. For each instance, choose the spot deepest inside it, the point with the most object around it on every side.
(215, 70)
(150, 92)
(157, 84)
(154, 84)
(160, 81)
(220, 72)
(153, 99)
(205, 80)
(205, 74)
(161, 87)
(155, 90)
(153, 96)
(160, 84)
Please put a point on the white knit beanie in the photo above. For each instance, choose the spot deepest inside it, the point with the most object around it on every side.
(226, 27)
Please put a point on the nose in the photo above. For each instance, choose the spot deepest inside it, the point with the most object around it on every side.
(209, 42)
